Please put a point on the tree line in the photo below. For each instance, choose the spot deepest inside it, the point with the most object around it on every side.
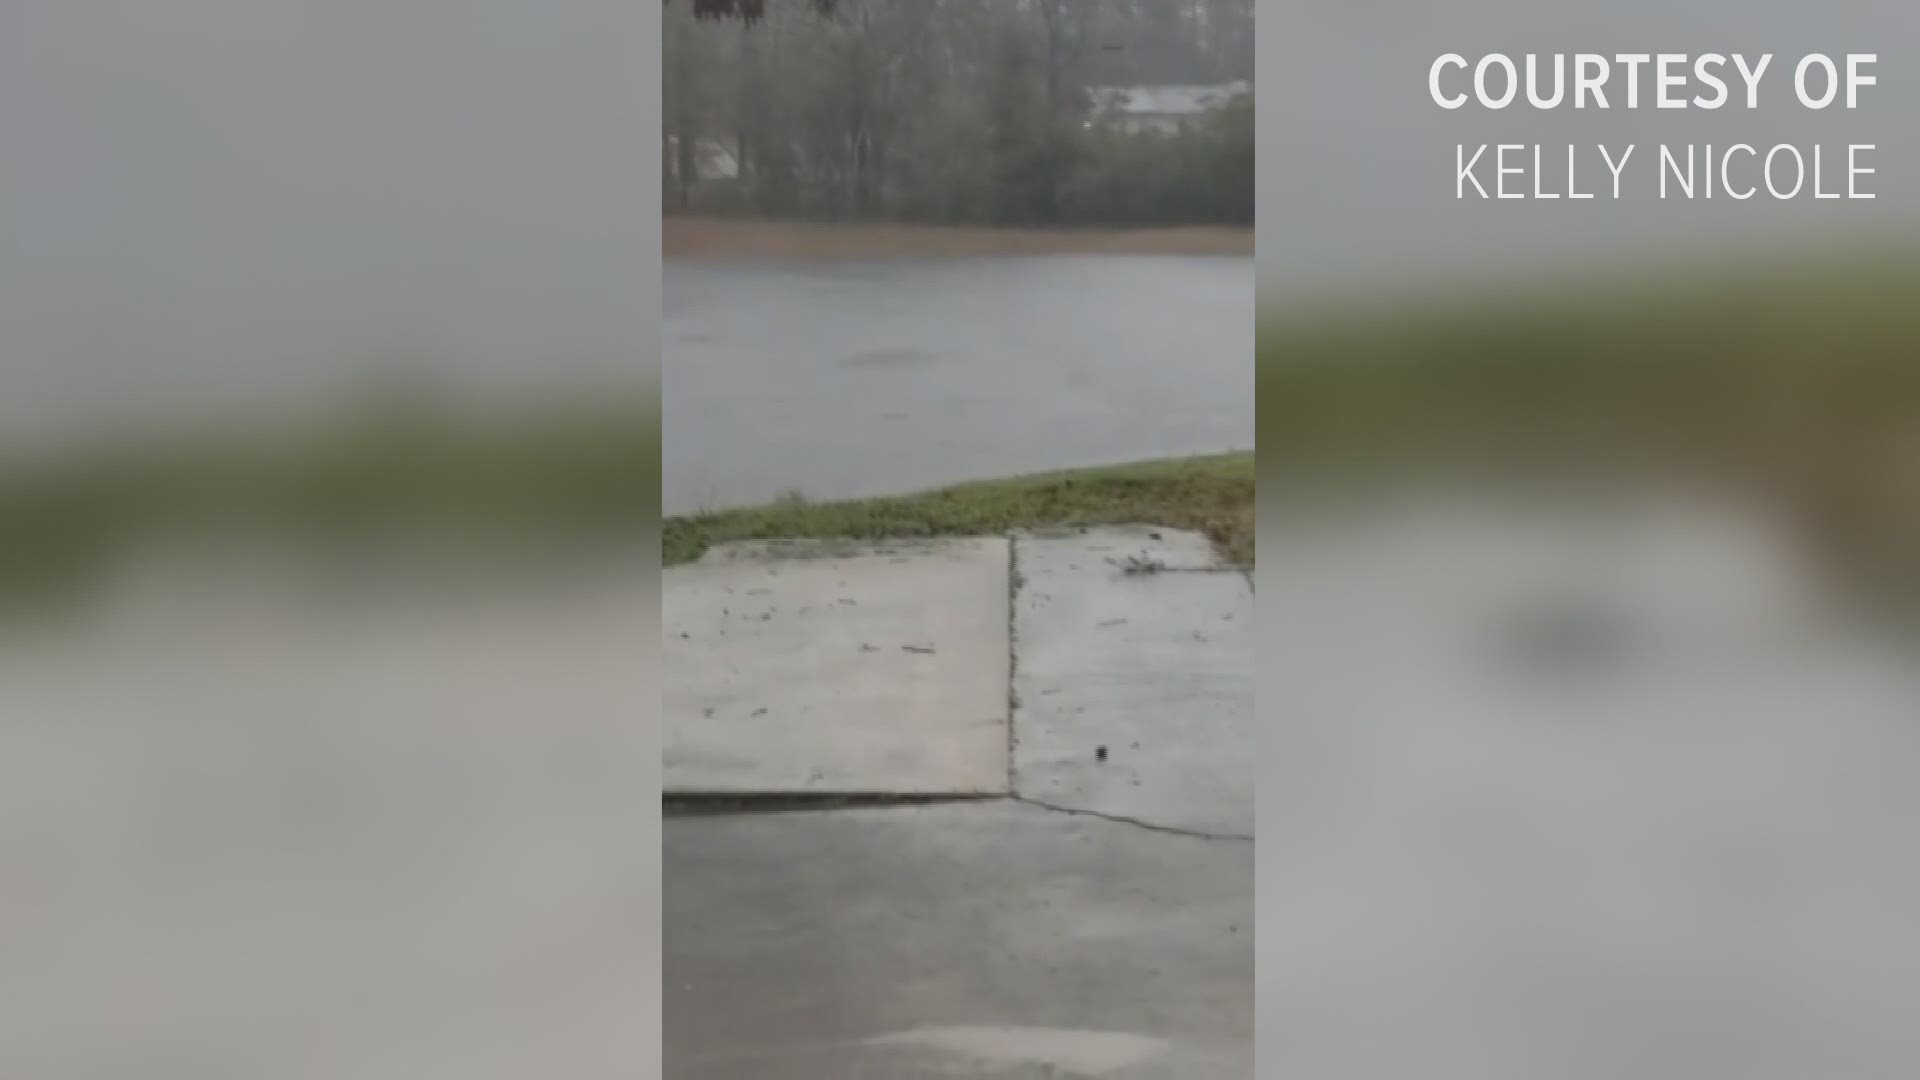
(953, 111)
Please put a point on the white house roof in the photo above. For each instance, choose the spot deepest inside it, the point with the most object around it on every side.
(1166, 100)
(712, 160)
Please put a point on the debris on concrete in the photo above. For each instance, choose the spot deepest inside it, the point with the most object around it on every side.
(935, 721)
(1111, 883)
(1149, 672)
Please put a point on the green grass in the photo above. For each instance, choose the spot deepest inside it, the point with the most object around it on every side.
(458, 484)
(1213, 495)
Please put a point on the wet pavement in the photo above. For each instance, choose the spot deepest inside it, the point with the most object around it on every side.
(1095, 920)
(816, 668)
(995, 941)
(1133, 680)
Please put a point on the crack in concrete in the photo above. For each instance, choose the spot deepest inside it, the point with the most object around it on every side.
(1121, 819)
(1015, 582)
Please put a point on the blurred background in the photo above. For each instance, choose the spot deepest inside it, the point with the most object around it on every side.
(279, 241)
(329, 459)
(1588, 537)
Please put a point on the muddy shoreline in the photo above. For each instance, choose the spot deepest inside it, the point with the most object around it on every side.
(720, 238)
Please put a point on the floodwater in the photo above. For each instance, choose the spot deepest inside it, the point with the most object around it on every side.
(847, 380)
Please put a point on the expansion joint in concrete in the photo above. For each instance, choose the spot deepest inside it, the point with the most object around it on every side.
(1014, 583)
(743, 803)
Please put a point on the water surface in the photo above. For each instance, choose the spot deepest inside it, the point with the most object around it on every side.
(844, 380)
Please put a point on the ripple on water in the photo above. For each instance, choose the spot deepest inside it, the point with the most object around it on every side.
(877, 358)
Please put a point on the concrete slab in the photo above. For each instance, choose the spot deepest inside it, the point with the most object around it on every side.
(1157, 668)
(986, 940)
(1137, 547)
(838, 668)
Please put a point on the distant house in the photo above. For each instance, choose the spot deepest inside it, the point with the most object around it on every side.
(712, 160)
(1165, 109)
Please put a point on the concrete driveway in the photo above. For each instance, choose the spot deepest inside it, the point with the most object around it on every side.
(1064, 890)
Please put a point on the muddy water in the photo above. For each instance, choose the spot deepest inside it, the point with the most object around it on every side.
(871, 378)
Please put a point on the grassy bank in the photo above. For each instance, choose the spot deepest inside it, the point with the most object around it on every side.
(453, 487)
(1213, 495)
(727, 238)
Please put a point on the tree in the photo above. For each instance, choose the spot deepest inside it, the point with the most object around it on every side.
(1066, 26)
(954, 111)
(1015, 120)
(683, 90)
(747, 11)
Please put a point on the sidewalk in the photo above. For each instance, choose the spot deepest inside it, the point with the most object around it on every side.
(1078, 897)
